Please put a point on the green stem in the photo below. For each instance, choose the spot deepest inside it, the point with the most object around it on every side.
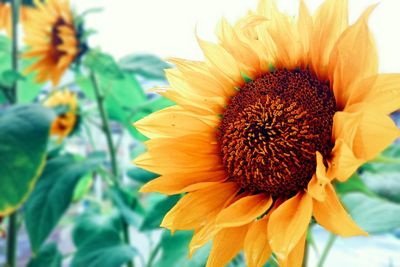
(306, 252)
(106, 126)
(153, 255)
(12, 233)
(329, 244)
(15, 16)
(12, 240)
(107, 132)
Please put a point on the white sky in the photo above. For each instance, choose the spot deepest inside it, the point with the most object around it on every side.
(166, 27)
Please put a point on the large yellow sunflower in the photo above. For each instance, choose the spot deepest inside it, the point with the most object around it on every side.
(66, 106)
(53, 39)
(280, 109)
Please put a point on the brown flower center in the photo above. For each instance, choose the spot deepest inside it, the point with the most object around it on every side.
(56, 40)
(272, 128)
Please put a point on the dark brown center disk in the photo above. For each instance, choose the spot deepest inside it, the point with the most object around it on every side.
(272, 128)
(56, 40)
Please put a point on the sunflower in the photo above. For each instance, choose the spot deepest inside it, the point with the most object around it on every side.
(281, 108)
(54, 39)
(65, 104)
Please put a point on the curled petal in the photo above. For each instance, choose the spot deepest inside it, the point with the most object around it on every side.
(226, 245)
(332, 215)
(244, 210)
(256, 246)
(288, 223)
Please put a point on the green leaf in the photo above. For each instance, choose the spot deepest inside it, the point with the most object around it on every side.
(102, 64)
(373, 214)
(122, 97)
(140, 175)
(83, 187)
(48, 256)
(153, 218)
(23, 141)
(354, 184)
(146, 65)
(99, 243)
(9, 77)
(384, 184)
(175, 250)
(53, 194)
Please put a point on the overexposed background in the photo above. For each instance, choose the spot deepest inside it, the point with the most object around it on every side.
(166, 27)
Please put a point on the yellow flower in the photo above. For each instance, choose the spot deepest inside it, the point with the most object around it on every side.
(53, 38)
(6, 14)
(66, 104)
(257, 156)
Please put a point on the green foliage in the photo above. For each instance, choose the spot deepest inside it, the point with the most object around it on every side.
(153, 218)
(174, 251)
(48, 256)
(354, 184)
(53, 194)
(140, 175)
(102, 64)
(126, 202)
(375, 215)
(99, 242)
(146, 65)
(83, 187)
(28, 88)
(373, 199)
(22, 159)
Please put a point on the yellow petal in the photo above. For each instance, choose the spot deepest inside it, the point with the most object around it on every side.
(374, 133)
(330, 20)
(256, 246)
(305, 27)
(354, 57)
(194, 209)
(226, 245)
(217, 56)
(380, 91)
(200, 77)
(244, 54)
(295, 258)
(332, 215)
(201, 237)
(176, 183)
(172, 122)
(244, 211)
(162, 162)
(343, 162)
(317, 185)
(288, 223)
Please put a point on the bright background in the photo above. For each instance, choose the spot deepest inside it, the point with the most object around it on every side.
(166, 27)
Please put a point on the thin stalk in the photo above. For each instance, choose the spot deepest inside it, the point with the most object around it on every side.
(107, 132)
(12, 233)
(329, 244)
(306, 253)
(153, 255)
(12, 240)
(15, 16)
(106, 127)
